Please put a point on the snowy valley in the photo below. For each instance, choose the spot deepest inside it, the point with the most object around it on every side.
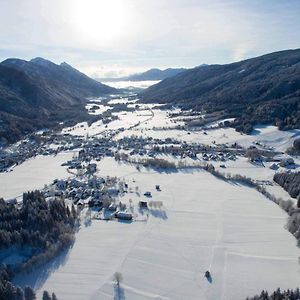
(152, 209)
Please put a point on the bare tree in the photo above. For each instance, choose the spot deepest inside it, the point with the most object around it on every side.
(118, 278)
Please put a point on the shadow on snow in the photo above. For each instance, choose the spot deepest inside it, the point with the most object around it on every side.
(38, 276)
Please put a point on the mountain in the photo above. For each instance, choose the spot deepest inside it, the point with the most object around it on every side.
(264, 89)
(152, 74)
(39, 93)
(155, 74)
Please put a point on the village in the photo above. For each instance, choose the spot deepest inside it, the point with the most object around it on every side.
(105, 198)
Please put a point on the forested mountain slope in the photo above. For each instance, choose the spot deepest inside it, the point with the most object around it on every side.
(264, 89)
(38, 93)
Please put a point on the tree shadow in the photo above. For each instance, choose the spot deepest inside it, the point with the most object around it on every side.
(119, 292)
(158, 214)
(36, 277)
(170, 170)
(209, 279)
(125, 221)
(87, 222)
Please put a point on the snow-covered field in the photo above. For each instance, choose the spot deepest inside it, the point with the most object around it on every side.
(207, 224)
(125, 120)
(267, 136)
(33, 174)
(256, 171)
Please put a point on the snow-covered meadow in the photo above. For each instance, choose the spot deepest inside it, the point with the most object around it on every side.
(207, 224)
(33, 174)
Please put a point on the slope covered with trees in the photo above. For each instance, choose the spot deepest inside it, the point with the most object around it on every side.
(264, 89)
(290, 182)
(278, 295)
(39, 93)
(45, 227)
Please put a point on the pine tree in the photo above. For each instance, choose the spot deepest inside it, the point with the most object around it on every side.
(46, 296)
(54, 297)
(29, 293)
(19, 294)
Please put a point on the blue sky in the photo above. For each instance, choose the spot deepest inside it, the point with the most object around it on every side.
(117, 37)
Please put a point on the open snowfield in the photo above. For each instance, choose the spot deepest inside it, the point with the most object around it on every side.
(256, 171)
(33, 174)
(205, 224)
(268, 136)
(126, 120)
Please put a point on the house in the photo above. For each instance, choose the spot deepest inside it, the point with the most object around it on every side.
(61, 184)
(80, 203)
(157, 187)
(92, 168)
(123, 216)
(274, 166)
(286, 162)
(148, 194)
(143, 205)
(112, 207)
(111, 191)
(95, 203)
(76, 183)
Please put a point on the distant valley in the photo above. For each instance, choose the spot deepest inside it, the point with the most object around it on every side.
(152, 74)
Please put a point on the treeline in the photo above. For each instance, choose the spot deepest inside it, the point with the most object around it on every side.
(154, 163)
(278, 295)
(290, 182)
(293, 223)
(47, 227)
(295, 149)
(283, 113)
(8, 291)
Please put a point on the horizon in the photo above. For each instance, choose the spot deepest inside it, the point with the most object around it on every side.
(145, 70)
(119, 38)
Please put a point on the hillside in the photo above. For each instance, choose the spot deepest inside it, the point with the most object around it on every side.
(152, 74)
(264, 89)
(39, 93)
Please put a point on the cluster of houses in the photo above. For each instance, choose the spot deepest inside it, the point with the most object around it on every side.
(46, 144)
(285, 162)
(18, 153)
(87, 190)
(102, 194)
(219, 156)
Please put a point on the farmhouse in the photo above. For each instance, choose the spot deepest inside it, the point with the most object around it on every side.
(123, 216)
(143, 204)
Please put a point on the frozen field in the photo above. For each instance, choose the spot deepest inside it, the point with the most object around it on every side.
(206, 224)
(125, 120)
(33, 174)
(268, 136)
